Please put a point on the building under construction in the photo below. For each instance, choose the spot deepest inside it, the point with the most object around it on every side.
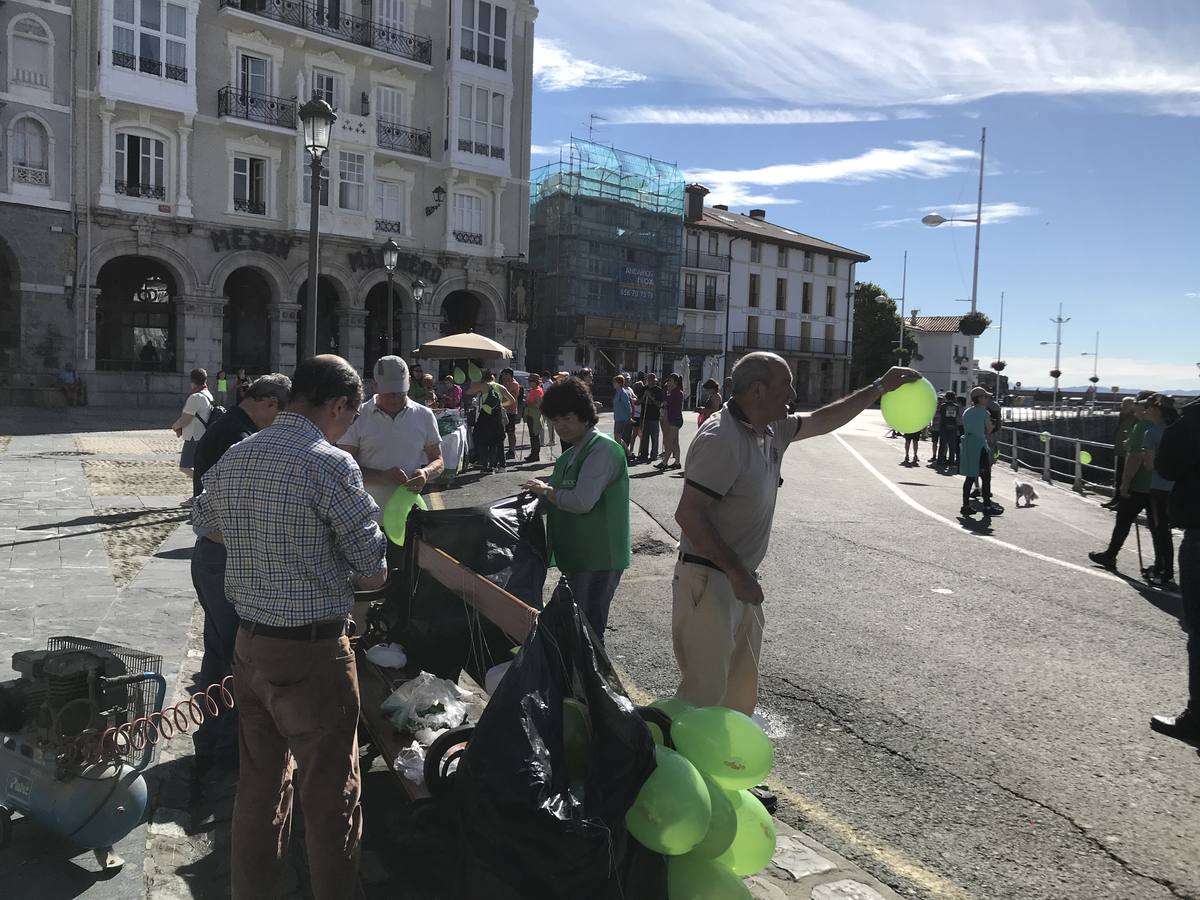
(604, 239)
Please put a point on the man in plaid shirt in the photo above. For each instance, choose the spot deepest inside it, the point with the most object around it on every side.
(299, 531)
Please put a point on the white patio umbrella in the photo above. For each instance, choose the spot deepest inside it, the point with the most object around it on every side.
(467, 345)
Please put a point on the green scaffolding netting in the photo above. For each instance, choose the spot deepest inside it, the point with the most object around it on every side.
(587, 169)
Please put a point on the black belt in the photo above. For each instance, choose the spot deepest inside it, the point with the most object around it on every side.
(317, 631)
(699, 560)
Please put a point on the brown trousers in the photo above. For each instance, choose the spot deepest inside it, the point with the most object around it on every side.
(298, 733)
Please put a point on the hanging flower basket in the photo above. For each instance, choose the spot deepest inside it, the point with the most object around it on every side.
(999, 365)
(1056, 373)
(1095, 379)
(973, 324)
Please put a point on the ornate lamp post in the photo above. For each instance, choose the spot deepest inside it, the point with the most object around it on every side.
(316, 118)
(391, 256)
(418, 294)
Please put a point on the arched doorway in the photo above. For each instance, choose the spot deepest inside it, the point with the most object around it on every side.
(375, 342)
(328, 339)
(10, 308)
(245, 325)
(466, 311)
(135, 316)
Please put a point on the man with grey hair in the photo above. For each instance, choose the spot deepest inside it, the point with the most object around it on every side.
(725, 513)
(216, 740)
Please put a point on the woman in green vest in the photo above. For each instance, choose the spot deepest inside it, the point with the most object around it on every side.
(587, 502)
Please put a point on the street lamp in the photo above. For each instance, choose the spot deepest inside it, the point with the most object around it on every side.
(1095, 355)
(391, 256)
(1057, 373)
(418, 294)
(934, 219)
(316, 118)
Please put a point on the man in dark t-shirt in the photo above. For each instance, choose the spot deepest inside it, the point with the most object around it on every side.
(652, 400)
(216, 740)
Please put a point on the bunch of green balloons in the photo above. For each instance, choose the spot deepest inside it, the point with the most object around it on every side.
(696, 807)
(395, 514)
(910, 407)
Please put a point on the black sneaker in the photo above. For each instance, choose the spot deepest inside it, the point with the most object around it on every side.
(1184, 727)
(1103, 558)
(766, 797)
(993, 509)
(966, 510)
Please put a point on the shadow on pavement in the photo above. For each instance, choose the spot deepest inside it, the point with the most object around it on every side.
(58, 869)
(1171, 604)
(177, 553)
(35, 421)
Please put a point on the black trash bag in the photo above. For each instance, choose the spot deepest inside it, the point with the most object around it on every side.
(504, 542)
(532, 830)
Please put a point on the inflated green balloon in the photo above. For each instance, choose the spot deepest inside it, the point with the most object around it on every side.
(577, 738)
(1085, 457)
(1044, 437)
(395, 514)
(695, 878)
(672, 811)
(672, 706)
(474, 373)
(722, 828)
(725, 744)
(910, 407)
(754, 844)
(460, 376)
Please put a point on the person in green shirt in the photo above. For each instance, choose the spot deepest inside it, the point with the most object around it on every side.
(1134, 490)
(587, 502)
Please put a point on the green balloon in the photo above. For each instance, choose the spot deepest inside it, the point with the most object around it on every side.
(910, 407)
(1085, 457)
(577, 739)
(656, 734)
(672, 706)
(725, 744)
(672, 811)
(695, 878)
(395, 514)
(723, 827)
(474, 373)
(459, 375)
(1044, 437)
(754, 844)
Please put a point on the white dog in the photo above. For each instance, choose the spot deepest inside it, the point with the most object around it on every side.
(1025, 489)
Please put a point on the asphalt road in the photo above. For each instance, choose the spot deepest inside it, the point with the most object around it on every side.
(963, 712)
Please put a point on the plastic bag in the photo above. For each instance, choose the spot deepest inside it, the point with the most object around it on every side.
(426, 702)
(563, 836)
(410, 762)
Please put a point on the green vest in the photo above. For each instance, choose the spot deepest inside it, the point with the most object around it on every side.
(596, 541)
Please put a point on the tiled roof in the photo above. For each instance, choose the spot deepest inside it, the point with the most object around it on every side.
(933, 324)
(760, 229)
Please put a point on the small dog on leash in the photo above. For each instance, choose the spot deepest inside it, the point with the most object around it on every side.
(1025, 490)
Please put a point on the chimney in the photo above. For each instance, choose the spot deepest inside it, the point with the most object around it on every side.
(694, 209)
(912, 318)
(721, 206)
(760, 214)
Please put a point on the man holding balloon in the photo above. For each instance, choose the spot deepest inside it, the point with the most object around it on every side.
(726, 511)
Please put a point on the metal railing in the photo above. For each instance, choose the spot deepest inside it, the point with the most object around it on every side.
(124, 60)
(30, 175)
(711, 343)
(324, 20)
(256, 207)
(817, 346)
(401, 138)
(1041, 451)
(709, 302)
(697, 260)
(389, 226)
(140, 189)
(256, 107)
(468, 237)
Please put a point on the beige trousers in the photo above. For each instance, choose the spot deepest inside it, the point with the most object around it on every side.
(717, 640)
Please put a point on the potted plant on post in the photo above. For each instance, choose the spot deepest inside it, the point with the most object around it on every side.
(1056, 373)
(1095, 379)
(999, 365)
(973, 324)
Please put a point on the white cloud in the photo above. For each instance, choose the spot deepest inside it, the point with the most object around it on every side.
(915, 159)
(1126, 372)
(993, 213)
(546, 149)
(1179, 106)
(849, 53)
(1192, 294)
(556, 69)
(739, 115)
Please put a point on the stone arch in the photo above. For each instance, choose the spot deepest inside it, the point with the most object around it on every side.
(340, 277)
(136, 315)
(269, 267)
(492, 303)
(245, 320)
(180, 267)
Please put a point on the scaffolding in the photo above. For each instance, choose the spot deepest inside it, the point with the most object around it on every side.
(606, 231)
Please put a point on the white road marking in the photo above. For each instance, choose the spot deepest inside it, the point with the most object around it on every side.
(942, 591)
(937, 517)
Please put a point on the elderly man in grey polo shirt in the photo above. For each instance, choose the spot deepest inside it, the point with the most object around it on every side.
(725, 513)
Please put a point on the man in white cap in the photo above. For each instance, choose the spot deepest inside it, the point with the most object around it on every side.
(394, 439)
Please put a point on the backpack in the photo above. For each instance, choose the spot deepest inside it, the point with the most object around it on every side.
(215, 411)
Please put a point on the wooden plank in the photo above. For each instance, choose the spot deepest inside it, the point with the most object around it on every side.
(511, 615)
(374, 687)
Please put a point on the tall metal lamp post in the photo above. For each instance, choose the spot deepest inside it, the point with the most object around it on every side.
(418, 294)
(391, 256)
(934, 219)
(317, 118)
(1059, 322)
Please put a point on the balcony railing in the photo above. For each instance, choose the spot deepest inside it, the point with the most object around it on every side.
(255, 207)
(139, 189)
(32, 77)
(468, 237)
(704, 301)
(789, 344)
(696, 260)
(711, 343)
(389, 226)
(149, 66)
(401, 138)
(31, 175)
(176, 73)
(323, 20)
(124, 60)
(256, 107)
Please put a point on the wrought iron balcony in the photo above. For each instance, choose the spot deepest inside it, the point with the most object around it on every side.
(696, 260)
(497, 152)
(710, 343)
(124, 60)
(255, 207)
(139, 189)
(30, 175)
(149, 66)
(465, 146)
(401, 138)
(707, 301)
(814, 346)
(389, 226)
(323, 20)
(176, 73)
(256, 107)
(468, 237)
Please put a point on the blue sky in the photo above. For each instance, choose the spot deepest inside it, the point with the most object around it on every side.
(851, 120)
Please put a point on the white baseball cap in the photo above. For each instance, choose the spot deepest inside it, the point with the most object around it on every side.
(391, 375)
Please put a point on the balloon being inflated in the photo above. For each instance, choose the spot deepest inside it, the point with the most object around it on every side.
(910, 407)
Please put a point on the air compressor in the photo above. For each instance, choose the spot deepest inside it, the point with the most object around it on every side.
(76, 730)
